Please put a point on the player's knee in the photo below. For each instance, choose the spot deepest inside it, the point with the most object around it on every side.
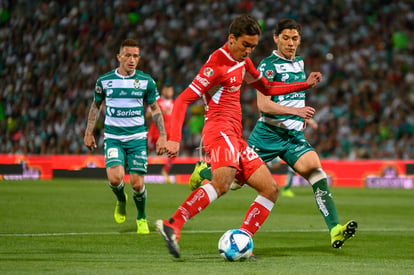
(316, 175)
(273, 191)
(114, 179)
(270, 191)
(221, 188)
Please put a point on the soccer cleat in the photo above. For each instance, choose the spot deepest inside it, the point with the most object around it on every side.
(196, 180)
(170, 237)
(341, 233)
(287, 193)
(142, 227)
(120, 211)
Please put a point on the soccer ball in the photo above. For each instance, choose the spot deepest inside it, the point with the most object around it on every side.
(235, 244)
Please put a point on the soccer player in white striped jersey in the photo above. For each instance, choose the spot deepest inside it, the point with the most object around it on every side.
(124, 91)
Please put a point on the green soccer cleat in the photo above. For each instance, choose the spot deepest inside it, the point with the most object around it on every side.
(142, 227)
(196, 180)
(120, 211)
(341, 233)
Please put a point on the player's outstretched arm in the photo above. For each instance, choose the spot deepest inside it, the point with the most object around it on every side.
(177, 118)
(255, 79)
(266, 105)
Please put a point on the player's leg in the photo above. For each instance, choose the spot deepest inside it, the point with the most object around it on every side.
(309, 166)
(202, 172)
(224, 166)
(287, 191)
(137, 165)
(196, 202)
(114, 161)
(268, 191)
(140, 199)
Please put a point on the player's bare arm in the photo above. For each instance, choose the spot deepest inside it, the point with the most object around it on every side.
(93, 116)
(159, 122)
(266, 105)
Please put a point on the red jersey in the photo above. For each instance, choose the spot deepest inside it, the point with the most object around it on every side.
(218, 83)
(166, 106)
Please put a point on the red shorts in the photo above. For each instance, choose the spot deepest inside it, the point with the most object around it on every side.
(232, 151)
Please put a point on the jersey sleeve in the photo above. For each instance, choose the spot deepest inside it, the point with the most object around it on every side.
(179, 110)
(208, 77)
(256, 79)
(152, 93)
(267, 70)
(99, 95)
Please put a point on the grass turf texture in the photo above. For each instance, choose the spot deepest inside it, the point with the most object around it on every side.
(67, 227)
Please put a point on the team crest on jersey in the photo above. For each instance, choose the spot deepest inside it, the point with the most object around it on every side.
(208, 72)
(270, 74)
(98, 90)
(136, 83)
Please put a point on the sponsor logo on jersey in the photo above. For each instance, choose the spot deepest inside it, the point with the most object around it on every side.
(122, 93)
(202, 80)
(112, 153)
(136, 93)
(136, 83)
(285, 77)
(208, 72)
(109, 92)
(270, 74)
(128, 113)
(110, 111)
(233, 79)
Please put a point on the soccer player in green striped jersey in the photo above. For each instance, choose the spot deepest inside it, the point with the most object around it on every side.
(124, 91)
(279, 130)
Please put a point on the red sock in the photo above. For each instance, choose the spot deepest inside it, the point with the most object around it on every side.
(257, 214)
(196, 202)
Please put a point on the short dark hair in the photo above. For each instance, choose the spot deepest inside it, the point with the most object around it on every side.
(129, 43)
(244, 24)
(289, 24)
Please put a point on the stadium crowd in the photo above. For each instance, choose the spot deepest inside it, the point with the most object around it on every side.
(53, 51)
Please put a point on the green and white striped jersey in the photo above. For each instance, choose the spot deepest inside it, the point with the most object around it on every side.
(124, 98)
(277, 68)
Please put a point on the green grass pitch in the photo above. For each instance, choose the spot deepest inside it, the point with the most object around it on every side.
(67, 227)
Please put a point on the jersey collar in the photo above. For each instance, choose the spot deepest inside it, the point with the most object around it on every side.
(124, 76)
(284, 58)
(226, 52)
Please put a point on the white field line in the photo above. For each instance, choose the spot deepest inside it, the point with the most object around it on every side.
(63, 234)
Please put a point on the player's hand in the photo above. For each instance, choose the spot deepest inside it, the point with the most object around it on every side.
(306, 112)
(314, 78)
(160, 145)
(172, 148)
(90, 142)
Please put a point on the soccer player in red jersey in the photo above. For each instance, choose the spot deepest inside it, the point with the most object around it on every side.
(218, 84)
(166, 103)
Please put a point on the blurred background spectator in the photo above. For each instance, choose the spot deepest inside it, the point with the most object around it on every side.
(52, 52)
